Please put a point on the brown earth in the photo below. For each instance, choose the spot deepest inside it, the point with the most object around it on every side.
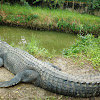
(30, 92)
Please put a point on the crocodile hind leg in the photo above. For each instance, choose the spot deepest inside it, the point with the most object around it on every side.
(25, 76)
(30, 76)
(1, 62)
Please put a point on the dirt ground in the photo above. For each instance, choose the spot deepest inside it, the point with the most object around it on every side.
(30, 92)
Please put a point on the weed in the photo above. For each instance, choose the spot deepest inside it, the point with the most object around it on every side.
(87, 47)
(33, 48)
(31, 17)
(15, 18)
(62, 23)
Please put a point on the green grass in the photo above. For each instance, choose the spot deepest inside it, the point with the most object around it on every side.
(62, 19)
(88, 48)
(32, 46)
(43, 12)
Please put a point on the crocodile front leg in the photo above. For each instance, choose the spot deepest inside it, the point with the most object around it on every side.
(1, 62)
(25, 76)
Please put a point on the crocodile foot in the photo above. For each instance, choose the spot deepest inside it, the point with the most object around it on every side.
(26, 76)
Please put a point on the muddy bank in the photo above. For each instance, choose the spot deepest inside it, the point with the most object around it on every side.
(30, 92)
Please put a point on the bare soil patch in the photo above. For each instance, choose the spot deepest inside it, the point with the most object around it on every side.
(75, 66)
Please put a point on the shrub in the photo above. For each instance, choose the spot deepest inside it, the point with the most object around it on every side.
(88, 47)
(31, 17)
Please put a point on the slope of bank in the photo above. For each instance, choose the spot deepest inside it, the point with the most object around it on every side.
(49, 19)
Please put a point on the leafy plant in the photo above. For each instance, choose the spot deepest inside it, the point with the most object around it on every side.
(31, 17)
(24, 2)
(63, 24)
(88, 47)
(94, 4)
(33, 48)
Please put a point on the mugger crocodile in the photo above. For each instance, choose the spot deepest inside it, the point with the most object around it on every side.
(28, 69)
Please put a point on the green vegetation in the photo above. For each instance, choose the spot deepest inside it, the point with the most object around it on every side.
(50, 3)
(88, 48)
(93, 4)
(33, 48)
(0, 18)
(46, 19)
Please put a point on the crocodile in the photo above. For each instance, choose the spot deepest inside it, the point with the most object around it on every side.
(28, 69)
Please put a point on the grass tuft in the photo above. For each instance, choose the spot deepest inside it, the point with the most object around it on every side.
(1, 18)
(33, 48)
(87, 47)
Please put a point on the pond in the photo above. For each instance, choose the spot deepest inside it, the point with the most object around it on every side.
(47, 39)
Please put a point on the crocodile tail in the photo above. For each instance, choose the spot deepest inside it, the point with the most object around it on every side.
(63, 84)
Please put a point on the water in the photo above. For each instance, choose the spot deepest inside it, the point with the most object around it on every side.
(46, 39)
